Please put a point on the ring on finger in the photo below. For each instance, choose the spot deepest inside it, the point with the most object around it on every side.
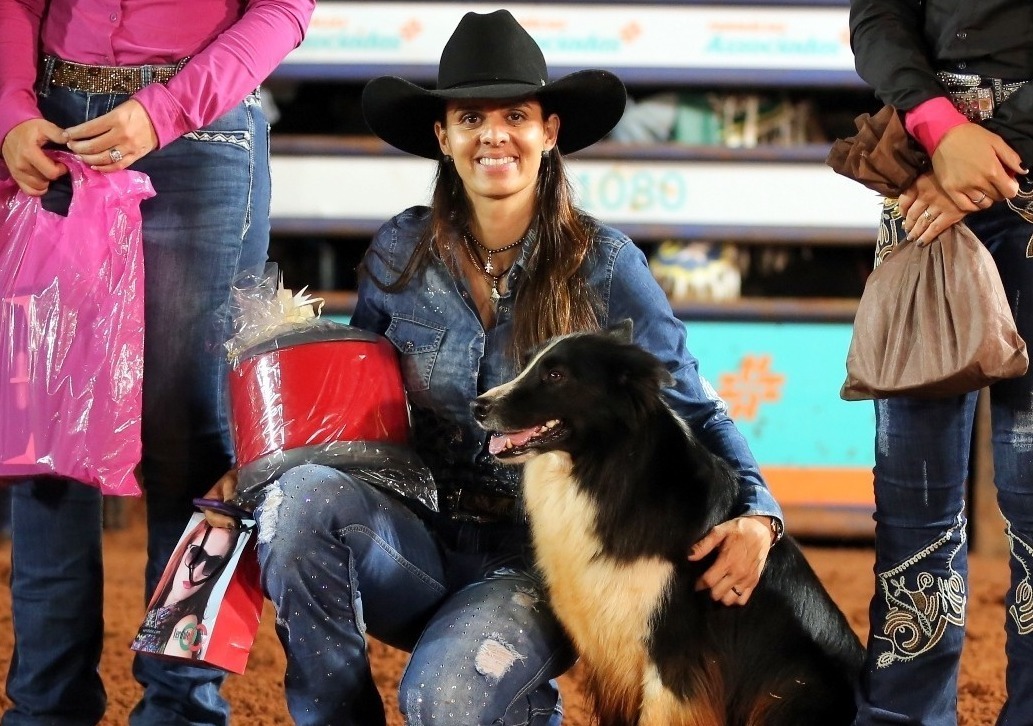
(736, 590)
(116, 155)
(928, 217)
(981, 198)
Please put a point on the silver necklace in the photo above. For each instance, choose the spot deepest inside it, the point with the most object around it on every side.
(487, 267)
(492, 279)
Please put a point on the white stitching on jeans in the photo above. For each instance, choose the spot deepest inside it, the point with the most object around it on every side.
(916, 619)
(237, 138)
(1021, 611)
(1022, 205)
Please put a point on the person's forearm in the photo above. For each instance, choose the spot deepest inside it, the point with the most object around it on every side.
(885, 36)
(755, 498)
(930, 121)
(19, 28)
(232, 66)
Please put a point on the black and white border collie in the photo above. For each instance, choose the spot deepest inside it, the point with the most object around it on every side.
(617, 490)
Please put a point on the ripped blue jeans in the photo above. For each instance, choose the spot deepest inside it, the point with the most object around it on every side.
(341, 559)
(921, 565)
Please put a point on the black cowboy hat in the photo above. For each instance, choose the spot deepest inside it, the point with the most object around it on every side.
(491, 56)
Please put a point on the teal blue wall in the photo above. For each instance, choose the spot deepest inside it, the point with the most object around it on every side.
(809, 425)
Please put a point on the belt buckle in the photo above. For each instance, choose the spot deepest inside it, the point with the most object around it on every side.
(976, 104)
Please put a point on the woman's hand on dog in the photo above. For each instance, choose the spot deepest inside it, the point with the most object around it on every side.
(743, 544)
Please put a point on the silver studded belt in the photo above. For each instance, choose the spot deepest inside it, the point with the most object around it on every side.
(975, 96)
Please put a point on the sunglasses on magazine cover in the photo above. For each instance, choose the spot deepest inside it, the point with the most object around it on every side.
(200, 563)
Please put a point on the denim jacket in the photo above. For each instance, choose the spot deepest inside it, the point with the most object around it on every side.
(448, 358)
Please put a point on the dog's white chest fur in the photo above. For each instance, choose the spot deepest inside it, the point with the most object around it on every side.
(605, 605)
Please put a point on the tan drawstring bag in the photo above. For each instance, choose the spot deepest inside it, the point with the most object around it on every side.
(933, 321)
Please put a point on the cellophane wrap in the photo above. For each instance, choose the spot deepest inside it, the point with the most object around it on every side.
(308, 390)
(72, 330)
(263, 308)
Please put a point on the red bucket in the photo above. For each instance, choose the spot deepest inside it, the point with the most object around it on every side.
(314, 387)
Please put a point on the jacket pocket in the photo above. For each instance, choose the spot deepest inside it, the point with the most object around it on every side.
(418, 343)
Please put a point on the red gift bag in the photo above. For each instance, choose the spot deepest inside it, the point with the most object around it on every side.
(208, 603)
(71, 330)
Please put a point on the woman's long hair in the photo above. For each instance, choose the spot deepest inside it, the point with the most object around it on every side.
(552, 297)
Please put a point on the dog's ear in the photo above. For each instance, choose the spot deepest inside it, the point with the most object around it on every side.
(641, 364)
(622, 331)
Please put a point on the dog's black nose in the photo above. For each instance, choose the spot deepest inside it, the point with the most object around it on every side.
(480, 409)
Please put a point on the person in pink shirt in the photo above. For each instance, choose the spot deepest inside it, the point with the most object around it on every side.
(169, 89)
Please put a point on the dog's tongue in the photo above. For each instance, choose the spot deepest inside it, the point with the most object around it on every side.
(518, 438)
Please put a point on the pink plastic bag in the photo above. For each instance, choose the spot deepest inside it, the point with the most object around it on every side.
(71, 330)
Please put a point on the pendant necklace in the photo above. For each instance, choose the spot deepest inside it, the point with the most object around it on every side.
(487, 267)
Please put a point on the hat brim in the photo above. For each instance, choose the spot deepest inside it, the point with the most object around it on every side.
(589, 104)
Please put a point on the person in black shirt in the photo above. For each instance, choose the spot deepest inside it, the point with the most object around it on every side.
(959, 72)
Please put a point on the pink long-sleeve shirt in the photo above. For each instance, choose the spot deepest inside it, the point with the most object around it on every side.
(233, 46)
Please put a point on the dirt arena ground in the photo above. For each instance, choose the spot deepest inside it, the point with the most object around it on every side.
(257, 696)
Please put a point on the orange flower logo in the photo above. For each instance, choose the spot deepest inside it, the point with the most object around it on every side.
(753, 384)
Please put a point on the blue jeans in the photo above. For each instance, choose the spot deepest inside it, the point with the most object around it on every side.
(340, 558)
(208, 221)
(921, 565)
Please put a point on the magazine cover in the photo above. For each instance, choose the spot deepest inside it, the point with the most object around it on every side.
(208, 602)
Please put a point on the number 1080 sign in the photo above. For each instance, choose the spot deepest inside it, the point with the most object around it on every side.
(611, 189)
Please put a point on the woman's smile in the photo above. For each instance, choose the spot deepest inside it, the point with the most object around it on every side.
(493, 161)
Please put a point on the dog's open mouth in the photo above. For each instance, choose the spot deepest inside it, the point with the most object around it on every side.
(513, 443)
